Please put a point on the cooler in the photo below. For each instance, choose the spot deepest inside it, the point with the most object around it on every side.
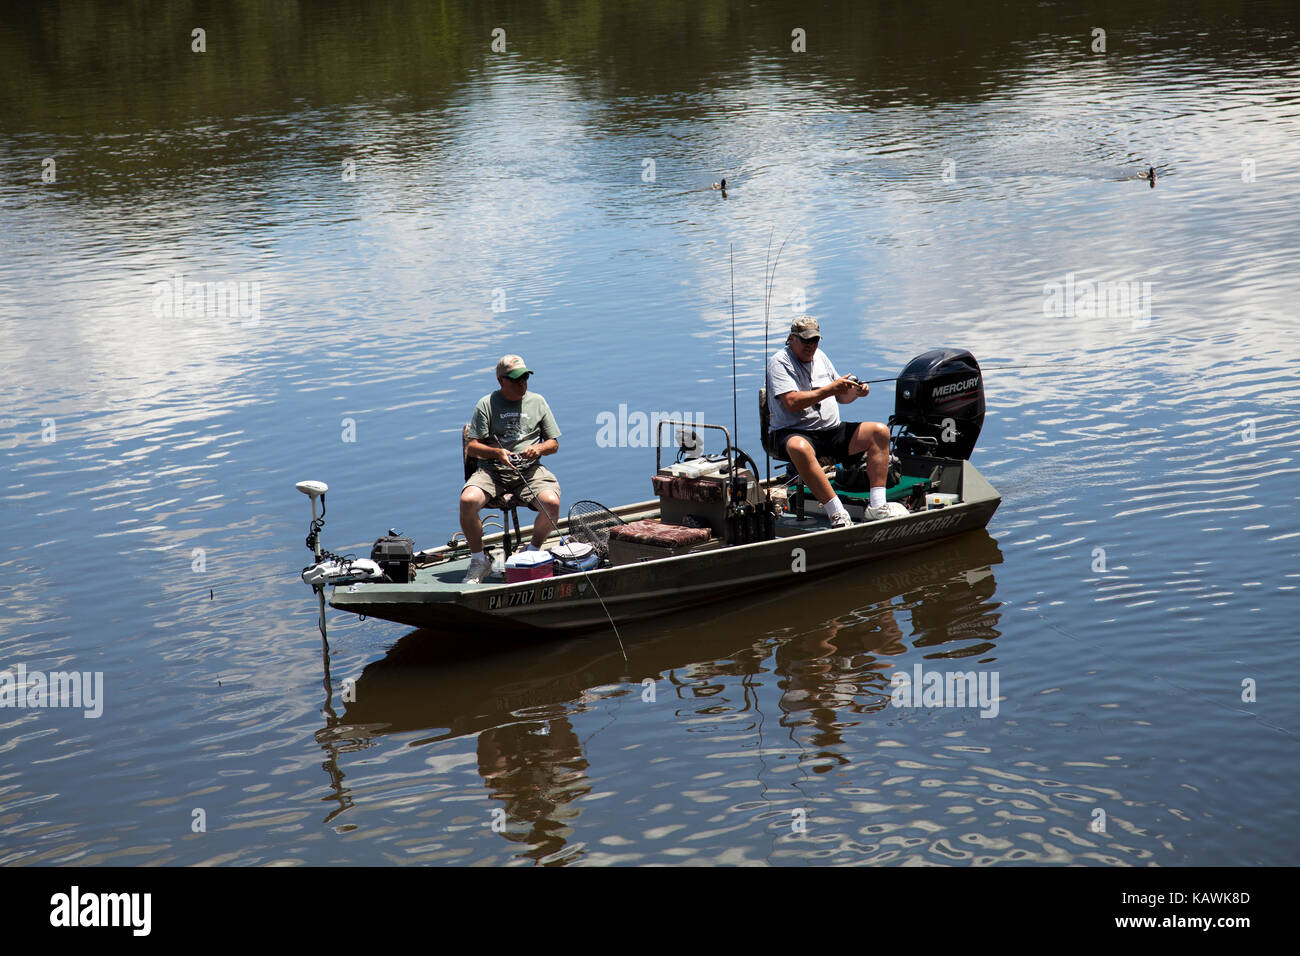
(529, 566)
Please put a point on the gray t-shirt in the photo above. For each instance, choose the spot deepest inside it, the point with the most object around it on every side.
(785, 373)
(514, 425)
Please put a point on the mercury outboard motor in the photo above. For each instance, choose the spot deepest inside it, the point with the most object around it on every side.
(940, 396)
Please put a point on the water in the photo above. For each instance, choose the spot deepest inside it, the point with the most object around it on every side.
(386, 179)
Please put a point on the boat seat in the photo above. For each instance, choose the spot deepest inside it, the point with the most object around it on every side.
(507, 502)
(650, 540)
(649, 531)
(765, 435)
(688, 489)
(791, 476)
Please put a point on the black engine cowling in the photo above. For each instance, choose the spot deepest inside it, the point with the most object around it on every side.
(940, 395)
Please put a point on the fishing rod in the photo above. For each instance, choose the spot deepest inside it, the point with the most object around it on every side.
(735, 414)
(767, 458)
(565, 540)
(768, 279)
(1003, 368)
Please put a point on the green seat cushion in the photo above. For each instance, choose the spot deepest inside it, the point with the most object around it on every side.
(897, 493)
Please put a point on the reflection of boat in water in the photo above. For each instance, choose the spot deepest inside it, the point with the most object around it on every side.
(716, 532)
(825, 647)
(452, 690)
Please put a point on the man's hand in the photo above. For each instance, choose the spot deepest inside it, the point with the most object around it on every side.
(844, 385)
(502, 456)
(847, 389)
(532, 452)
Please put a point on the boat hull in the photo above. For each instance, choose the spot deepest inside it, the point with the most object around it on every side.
(572, 602)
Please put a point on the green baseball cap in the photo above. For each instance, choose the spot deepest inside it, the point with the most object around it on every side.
(512, 367)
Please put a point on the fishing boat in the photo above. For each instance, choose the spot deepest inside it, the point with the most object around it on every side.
(714, 529)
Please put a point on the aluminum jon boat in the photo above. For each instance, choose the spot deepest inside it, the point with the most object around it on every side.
(714, 530)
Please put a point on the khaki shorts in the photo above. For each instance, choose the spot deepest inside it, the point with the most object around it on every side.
(493, 482)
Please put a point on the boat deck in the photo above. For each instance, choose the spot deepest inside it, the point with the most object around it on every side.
(450, 574)
(438, 598)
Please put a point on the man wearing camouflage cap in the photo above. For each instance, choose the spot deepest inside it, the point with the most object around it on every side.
(511, 421)
(805, 423)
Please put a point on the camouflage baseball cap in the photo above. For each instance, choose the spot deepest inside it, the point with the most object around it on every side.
(806, 327)
(512, 367)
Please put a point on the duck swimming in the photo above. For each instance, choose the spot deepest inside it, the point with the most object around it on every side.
(1150, 175)
(722, 185)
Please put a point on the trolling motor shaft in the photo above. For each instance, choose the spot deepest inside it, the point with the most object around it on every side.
(314, 490)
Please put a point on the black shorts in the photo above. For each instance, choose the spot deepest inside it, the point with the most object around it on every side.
(826, 442)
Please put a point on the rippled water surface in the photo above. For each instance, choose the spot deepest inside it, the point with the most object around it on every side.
(411, 204)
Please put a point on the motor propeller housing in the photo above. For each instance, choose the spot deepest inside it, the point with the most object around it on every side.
(940, 395)
(313, 489)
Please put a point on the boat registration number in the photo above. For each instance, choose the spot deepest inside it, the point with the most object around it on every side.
(547, 592)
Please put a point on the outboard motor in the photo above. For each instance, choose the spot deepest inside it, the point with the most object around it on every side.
(940, 396)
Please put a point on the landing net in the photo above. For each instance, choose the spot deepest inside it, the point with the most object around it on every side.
(589, 522)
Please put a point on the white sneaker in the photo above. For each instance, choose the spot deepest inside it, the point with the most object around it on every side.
(479, 568)
(842, 520)
(890, 509)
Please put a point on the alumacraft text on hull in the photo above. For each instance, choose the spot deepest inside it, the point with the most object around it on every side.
(707, 535)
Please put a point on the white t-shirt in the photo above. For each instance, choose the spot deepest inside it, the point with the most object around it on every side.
(785, 373)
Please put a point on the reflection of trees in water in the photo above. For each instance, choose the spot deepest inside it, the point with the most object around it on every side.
(534, 774)
(87, 67)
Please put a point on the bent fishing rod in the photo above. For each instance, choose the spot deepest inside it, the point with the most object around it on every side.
(1000, 368)
(769, 278)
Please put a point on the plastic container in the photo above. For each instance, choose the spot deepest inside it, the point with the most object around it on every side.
(529, 566)
(575, 556)
(937, 500)
(696, 468)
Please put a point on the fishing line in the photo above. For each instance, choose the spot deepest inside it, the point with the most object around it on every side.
(1004, 368)
(565, 540)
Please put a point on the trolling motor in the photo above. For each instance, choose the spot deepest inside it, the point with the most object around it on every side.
(314, 490)
(330, 568)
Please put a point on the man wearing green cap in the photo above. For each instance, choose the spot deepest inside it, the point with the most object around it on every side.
(805, 423)
(510, 422)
